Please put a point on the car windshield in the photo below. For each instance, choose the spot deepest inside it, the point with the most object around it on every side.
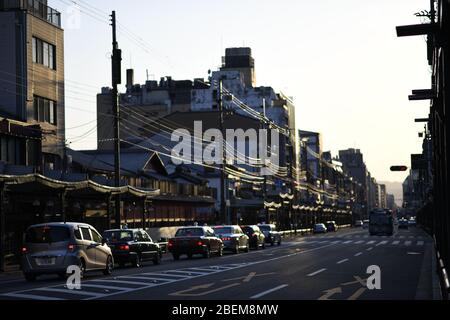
(223, 230)
(248, 230)
(47, 234)
(119, 235)
(265, 228)
(189, 232)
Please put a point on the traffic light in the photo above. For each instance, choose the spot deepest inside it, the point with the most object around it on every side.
(399, 168)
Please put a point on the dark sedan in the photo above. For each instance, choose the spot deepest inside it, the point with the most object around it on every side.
(233, 238)
(132, 246)
(256, 237)
(271, 233)
(195, 240)
(331, 226)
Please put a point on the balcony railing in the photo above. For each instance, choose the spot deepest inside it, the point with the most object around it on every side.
(35, 7)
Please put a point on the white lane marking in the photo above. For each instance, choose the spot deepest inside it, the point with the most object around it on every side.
(371, 242)
(204, 269)
(75, 292)
(408, 243)
(402, 237)
(396, 242)
(190, 273)
(359, 242)
(420, 243)
(345, 242)
(336, 242)
(145, 278)
(163, 274)
(366, 236)
(31, 296)
(342, 261)
(99, 286)
(262, 294)
(123, 281)
(369, 249)
(381, 243)
(358, 254)
(316, 272)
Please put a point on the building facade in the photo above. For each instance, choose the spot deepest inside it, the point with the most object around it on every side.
(32, 76)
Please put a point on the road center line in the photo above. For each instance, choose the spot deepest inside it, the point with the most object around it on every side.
(259, 295)
(316, 272)
(369, 249)
(342, 261)
(358, 254)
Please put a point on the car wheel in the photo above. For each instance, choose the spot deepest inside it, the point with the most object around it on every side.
(30, 277)
(279, 242)
(176, 257)
(236, 249)
(247, 248)
(220, 252)
(157, 259)
(62, 276)
(109, 266)
(207, 253)
(264, 245)
(272, 243)
(137, 263)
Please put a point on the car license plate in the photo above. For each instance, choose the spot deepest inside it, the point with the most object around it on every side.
(45, 261)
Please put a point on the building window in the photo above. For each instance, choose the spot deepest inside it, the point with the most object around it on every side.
(44, 53)
(44, 110)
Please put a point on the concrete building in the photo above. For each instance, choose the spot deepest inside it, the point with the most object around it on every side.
(311, 159)
(32, 81)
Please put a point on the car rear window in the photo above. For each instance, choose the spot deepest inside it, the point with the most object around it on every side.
(265, 228)
(47, 234)
(189, 232)
(248, 230)
(223, 230)
(116, 236)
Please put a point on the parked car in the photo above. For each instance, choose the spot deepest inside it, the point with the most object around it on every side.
(233, 238)
(132, 246)
(195, 240)
(365, 224)
(358, 223)
(271, 233)
(51, 248)
(331, 226)
(257, 238)
(412, 221)
(403, 224)
(319, 228)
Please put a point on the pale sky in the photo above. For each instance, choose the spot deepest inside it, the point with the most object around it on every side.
(349, 75)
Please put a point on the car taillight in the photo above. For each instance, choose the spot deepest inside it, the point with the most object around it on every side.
(226, 239)
(199, 243)
(254, 235)
(71, 248)
(24, 250)
(170, 243)
(124, 247)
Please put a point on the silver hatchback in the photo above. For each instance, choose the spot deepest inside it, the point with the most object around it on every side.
(51, 248)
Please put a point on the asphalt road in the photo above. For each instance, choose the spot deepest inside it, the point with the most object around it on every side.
(331, 266)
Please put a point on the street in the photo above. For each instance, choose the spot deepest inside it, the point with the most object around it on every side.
(331, 266)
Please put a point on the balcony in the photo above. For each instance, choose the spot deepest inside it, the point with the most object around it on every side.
(37, 8)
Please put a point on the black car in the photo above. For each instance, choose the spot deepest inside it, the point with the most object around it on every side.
(256, 237)
(331, 226)
(233, 238)
(271, 233)
(403, 224)
(132, 246)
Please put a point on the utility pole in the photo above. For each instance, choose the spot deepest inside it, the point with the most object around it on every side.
(223, 187)
(263, 157)
(116, 80)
